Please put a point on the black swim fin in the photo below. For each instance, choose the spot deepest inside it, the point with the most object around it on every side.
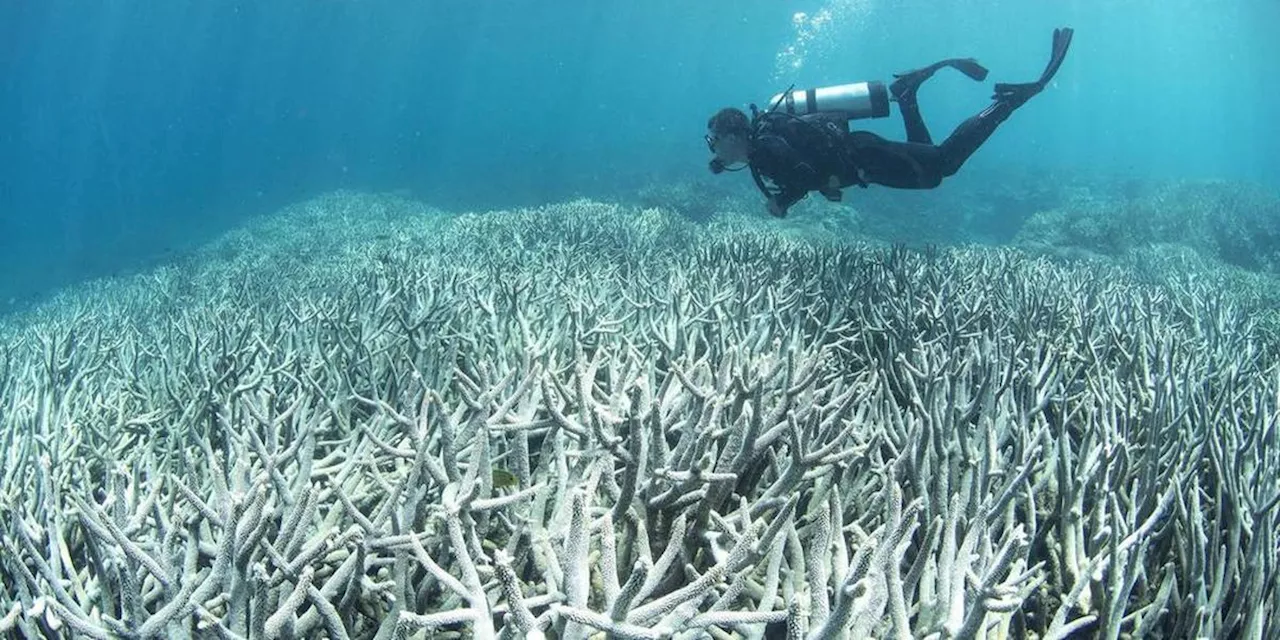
(1018, 93)
(969, 67)
(906, 83)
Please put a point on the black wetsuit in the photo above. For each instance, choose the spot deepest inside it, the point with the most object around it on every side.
(791, 155)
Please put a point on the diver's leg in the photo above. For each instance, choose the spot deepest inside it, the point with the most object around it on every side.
(914, 122)
(971, 133)
(903, 89)
(889, 163)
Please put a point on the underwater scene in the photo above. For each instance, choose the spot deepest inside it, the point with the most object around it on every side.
(366, 319)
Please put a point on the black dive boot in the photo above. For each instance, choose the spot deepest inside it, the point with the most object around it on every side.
(1016, 94)
(905, 84)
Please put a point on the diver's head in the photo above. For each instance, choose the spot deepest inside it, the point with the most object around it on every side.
(728, 132)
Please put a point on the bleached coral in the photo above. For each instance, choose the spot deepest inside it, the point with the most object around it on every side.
(586, 418)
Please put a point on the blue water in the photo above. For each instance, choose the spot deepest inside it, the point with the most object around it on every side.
(131, 130)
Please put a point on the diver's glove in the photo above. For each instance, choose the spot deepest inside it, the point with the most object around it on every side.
(832, 192)
(776, 209)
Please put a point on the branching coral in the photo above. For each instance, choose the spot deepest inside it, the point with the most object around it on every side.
(735, 436)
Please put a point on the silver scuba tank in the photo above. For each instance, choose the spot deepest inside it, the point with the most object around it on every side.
(852, 101)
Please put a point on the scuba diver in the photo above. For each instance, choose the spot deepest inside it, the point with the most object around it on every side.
(803, 142)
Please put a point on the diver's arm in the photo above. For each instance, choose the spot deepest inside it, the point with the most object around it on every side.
(779, 204)
(787, 169)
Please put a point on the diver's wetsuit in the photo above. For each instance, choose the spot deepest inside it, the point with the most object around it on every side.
(802, 154)
(799, 154)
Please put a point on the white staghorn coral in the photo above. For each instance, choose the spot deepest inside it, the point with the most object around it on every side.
(584, 419)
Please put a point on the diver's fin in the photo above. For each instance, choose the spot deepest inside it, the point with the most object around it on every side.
(969, 67)
(1061, 43)
(906, 83)
(1018, 93)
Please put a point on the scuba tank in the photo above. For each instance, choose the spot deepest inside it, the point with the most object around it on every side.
(852, 101)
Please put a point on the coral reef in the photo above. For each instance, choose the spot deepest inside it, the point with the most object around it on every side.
(1235, 223)
(590, 418)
